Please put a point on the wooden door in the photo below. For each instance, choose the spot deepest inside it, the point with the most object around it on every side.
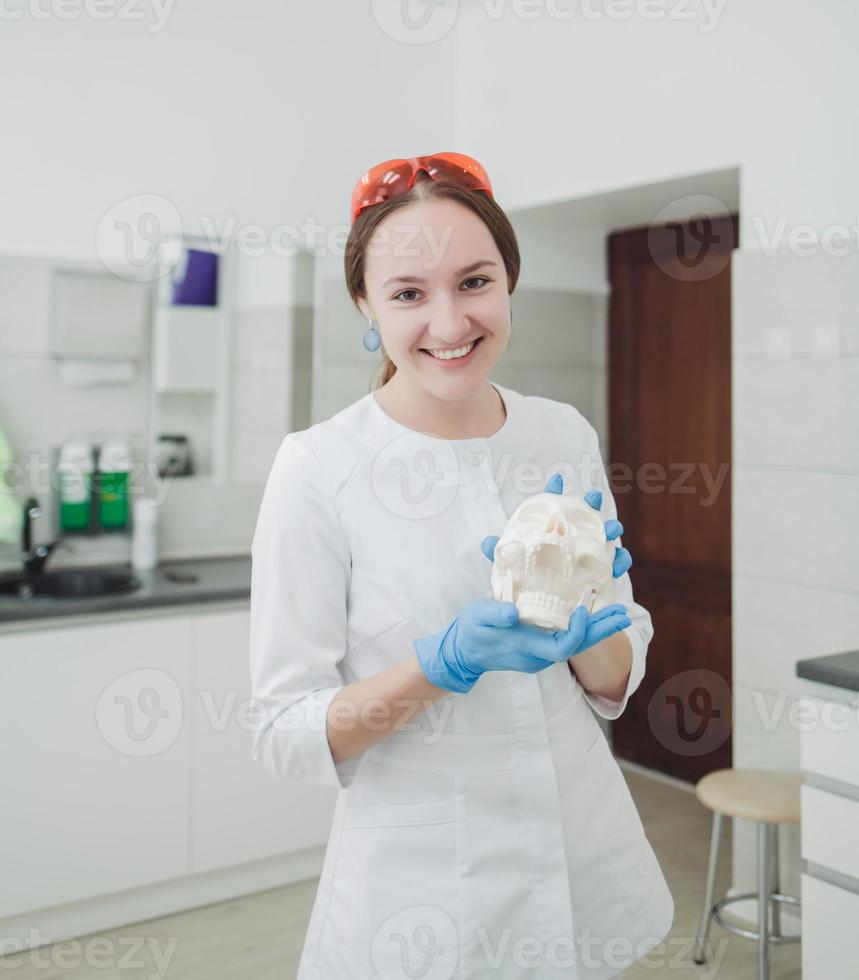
(669, 468)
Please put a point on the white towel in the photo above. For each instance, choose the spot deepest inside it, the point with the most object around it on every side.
(78, 372)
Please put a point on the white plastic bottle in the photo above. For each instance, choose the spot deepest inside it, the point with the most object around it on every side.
(144, 537)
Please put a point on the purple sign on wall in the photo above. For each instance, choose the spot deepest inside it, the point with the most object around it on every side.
(199, 284)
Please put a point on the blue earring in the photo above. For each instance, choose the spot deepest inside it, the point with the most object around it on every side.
(372, 338)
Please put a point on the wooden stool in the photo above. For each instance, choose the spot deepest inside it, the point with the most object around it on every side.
(769, 798)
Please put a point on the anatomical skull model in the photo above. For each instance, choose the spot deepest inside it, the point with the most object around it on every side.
(552, 557)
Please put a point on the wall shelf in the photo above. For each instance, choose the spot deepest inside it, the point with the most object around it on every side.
(191, 378)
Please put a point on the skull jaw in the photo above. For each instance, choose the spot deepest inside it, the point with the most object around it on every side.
(537, 613)
(550, 612)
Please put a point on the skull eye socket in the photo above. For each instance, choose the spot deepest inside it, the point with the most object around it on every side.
(511, 550)
(534, 511)
(590, 567)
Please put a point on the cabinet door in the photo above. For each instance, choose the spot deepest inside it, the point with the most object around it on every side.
(829, 828)
(95, 760)
(830, 746)
(829, 917)
(240, 812)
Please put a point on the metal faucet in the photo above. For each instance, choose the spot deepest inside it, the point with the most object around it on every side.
(34, 560)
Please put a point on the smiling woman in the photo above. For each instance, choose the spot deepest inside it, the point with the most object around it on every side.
(369, 604)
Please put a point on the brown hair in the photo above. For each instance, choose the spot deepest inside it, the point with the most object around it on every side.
(484, 206)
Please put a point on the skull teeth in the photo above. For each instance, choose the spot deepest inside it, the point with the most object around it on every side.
(544, 600)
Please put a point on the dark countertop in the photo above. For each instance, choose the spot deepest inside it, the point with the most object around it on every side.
(837, 669)
(214, 580)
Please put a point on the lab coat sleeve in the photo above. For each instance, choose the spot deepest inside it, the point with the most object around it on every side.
(640, 631)
(300, 571)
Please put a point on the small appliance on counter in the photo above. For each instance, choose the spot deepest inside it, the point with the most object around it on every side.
(173, 455)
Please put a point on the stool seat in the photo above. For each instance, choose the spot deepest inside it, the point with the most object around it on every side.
(768, 797)
(752, 794)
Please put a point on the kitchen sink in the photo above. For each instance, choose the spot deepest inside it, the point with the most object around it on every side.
(76, 583)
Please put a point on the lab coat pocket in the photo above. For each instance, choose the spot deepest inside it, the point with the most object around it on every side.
(395, 878)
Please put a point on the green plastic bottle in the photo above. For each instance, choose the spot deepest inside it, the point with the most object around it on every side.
(114, 468)
(75, 472)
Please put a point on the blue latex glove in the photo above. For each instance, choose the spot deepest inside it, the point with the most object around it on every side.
(487, 635)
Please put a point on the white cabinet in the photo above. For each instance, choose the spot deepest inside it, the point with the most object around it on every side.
(188, 344)
(829, 917)
(94, 763)
(829, 749)
(126, 762)
(240, 811)
(830, 830)
(829, 742)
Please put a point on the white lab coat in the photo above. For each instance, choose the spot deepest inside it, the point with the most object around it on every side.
(496, 831)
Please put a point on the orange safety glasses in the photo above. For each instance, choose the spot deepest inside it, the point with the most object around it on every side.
(393, 177)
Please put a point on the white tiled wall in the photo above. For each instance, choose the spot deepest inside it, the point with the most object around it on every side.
(261, 389)
(37, 412)
(557, 349)
(342, 369)
(36, 409)
(795, 488)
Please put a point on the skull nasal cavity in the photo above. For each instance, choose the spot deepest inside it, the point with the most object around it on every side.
(557, 523)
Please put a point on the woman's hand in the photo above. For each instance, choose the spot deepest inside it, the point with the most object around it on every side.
(487, 635)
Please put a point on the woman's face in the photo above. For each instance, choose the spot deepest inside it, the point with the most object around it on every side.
(425, 296)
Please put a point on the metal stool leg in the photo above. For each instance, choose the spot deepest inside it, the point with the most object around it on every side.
(775, 882)
(712, 868)
(764, 853)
